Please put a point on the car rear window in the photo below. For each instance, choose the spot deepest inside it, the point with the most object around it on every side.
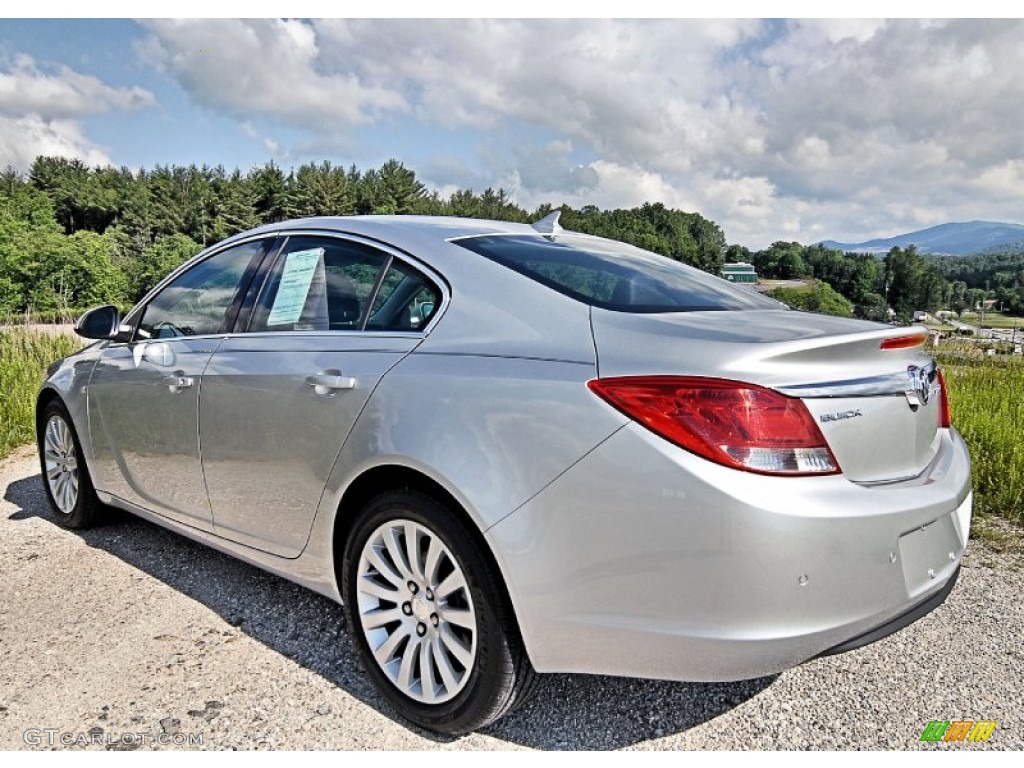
(613, 275)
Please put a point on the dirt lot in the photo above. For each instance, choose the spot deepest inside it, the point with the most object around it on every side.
(128, 635)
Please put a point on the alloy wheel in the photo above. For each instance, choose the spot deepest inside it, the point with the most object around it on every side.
(61, 464)
(416, 611)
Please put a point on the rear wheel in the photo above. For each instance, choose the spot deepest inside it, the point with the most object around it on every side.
(65, 476)
(429, 618)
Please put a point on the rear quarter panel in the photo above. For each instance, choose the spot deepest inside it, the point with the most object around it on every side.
(493, 405)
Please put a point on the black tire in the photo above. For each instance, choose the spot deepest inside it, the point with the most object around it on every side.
(500, 676)
(86, 509)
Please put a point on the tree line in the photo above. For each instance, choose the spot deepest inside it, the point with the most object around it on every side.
(904, 281)
(72, 236)
(995, 275)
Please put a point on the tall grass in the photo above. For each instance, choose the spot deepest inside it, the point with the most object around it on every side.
(24, 357)
(44, 317)
(986, 396)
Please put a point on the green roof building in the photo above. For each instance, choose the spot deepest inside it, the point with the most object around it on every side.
(741, 272)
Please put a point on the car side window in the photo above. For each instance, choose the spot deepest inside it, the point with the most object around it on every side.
(406, 301)
(319, 284)
(331, 284)
(196, 303)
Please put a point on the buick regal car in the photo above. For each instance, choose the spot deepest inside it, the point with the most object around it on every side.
(511, 449)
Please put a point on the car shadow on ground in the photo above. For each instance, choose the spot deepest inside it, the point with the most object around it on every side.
(568, 712)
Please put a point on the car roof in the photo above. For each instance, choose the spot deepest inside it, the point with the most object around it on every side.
(398, 230)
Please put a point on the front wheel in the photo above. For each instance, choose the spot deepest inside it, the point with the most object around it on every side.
(65, 476)
(429, 618)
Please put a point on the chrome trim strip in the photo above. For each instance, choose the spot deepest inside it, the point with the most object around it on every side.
(872, 386)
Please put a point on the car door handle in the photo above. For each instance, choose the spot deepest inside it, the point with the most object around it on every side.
(178, 381)
(325, 383)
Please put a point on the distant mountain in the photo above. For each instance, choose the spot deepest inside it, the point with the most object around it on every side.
(955, 239)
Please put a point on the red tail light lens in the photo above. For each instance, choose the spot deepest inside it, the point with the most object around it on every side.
(945, 422)
(739, 425)
(905, 342)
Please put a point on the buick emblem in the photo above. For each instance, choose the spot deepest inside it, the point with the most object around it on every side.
(839, 416)
(920, 389)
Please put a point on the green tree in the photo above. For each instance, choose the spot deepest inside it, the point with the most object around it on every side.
(975, 298)
(872, 306)
(911, 284)
(159, 260)
(234, 208)
(164, 211)
(11, 181)
(28, 234)
(270, 194)
(399, 188)
(320, 190)
(782, 260)
(64, 181)
(736, 254)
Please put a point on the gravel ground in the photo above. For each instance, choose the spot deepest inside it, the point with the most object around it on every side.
(135, 634)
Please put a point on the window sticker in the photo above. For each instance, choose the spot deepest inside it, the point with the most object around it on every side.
(302, 271)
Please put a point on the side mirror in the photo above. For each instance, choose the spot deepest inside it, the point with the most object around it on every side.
(99, 323)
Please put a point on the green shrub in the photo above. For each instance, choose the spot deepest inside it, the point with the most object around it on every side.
(816, 297)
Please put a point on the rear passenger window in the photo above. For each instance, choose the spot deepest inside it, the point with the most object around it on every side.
(406, 301)
(319, 284)
(331, 284)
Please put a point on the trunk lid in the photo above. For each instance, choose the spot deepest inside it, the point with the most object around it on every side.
(877, 408)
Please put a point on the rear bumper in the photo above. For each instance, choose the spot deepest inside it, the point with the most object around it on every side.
(676, 568)
(920, 610)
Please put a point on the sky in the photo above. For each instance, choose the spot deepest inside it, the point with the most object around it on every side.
(774, 129)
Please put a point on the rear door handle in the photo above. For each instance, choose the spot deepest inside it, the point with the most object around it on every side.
(178, 381)
(326, 383)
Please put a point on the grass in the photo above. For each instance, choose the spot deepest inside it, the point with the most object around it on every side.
(993, 320)
(24, 357)
(45, 317)
(985, 400)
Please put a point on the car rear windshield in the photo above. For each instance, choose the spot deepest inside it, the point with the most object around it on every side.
(613, 275)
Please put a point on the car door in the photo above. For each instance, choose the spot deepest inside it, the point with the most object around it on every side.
(332, 317)
(144, 394)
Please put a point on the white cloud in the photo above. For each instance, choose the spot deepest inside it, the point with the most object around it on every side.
(837, 30)
(39, 111)
(25, 89)
(22, 139)
(804, 130)
(263, 67)
(614, 185)
(1003, 180)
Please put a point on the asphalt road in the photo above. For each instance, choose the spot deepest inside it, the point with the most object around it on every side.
(136, 635)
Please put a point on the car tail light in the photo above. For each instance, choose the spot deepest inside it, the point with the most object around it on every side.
(945, 422)
(738, 425)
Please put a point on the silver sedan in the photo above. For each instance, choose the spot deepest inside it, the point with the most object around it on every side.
(511, 449)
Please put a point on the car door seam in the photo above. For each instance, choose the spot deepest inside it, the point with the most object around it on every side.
(341, 447)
